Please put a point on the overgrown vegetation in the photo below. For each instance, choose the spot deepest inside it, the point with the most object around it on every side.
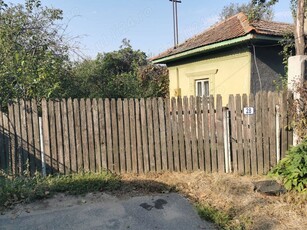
(293, 168)
(26, 189)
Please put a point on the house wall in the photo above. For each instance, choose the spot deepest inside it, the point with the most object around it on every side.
(271, 69)
(228, 72)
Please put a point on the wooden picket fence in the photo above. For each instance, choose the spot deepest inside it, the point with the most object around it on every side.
(145, 135)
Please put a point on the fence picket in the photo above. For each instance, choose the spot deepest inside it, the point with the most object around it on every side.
(253, 150)
(162, 112)
(140, 164)
(212, 129)
(234, 133)
(219, 134)
(67, 152)
(174, 125)
(151, 149)
(157, 142)
(116, 167)
(200, 138)
(239, 135)
(265, 123)
(206, 125)
(121, 137)
(246, 139)
(183, 165)
(194, 152)
(97, 154)
(102, 133)
(72, 136)
(145, 137)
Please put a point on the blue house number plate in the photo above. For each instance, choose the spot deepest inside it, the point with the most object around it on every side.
(249, 111)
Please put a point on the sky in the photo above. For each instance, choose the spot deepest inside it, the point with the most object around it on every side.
(99, 26)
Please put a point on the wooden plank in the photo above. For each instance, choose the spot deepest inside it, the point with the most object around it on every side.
(212, 130)
(66, 147)
(98, 167)
(284, 124)
(206, 133)
(19, 137)
(133, 136)
(140, 163)
(174, 124)
(78, 131)
(144, 128)
(253, 150)
(83, 125)
(72, 136)
(170, 156)
(239, 134)
(151, 149)
(194, 151)
(115, 136)
(183, 165)
(219, 134)
(110, 164)
(157, 142)
(266, 133)
(121, 136)
(90, 135)
(233, 133)
(259, 133)
(162, 134)
(46, 136)
(30, 141)
(290, 131)
(24, 137)
(53, 142)
(13, 140)
(246, 138)
(36, 136)
(187, 133)
(102, 128)
(3, 153)
(5, 142)
(128, 156)
(200, 138)
(272, 126)
(59, 135)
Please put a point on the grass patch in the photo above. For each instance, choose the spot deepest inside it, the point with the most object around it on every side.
(26, 189)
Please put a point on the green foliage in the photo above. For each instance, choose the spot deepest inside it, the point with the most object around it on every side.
(34, 55)
(220, 218)
(125, 73)
(293, 168)
(254, 9)
(25, 188)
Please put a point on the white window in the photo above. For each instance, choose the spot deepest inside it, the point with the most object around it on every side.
(202, 88)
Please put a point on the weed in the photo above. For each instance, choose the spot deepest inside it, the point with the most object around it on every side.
(25, 189)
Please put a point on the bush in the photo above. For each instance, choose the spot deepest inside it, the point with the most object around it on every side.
(293, 168)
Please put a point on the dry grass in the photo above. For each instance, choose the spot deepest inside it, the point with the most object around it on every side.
(235, 196)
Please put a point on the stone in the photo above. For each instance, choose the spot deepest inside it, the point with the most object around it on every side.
(269, 187)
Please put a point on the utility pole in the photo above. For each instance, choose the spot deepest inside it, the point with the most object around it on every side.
(175, 21)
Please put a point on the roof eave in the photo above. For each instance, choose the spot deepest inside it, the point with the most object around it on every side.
(215, 46)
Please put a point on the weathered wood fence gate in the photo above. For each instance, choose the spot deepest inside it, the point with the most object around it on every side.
(183, 134)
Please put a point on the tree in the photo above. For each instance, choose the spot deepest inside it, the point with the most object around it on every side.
(34, 55)
(255, 9)
(125, 73)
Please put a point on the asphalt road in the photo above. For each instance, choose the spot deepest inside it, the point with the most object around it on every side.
(166, 211)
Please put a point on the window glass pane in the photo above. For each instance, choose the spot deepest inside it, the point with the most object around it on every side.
(199, 89)
(206, 87)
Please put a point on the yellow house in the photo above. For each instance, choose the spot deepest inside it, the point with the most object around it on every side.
(234, 56)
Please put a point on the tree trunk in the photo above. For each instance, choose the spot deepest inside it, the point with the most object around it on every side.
(299, 28)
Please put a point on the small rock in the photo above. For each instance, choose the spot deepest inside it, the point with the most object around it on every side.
(269, 187)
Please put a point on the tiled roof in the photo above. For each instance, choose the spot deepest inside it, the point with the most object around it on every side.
(233, 27)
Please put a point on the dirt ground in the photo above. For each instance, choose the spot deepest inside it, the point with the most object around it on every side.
(232, 194)
(236, 196)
